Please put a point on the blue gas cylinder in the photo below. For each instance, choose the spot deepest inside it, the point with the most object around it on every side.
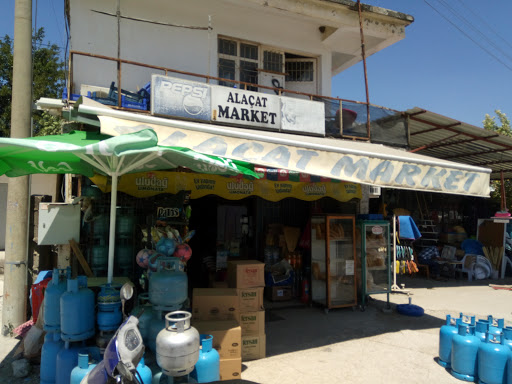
(481, 328)
(51, 347)
(77, 311)
(67, 359)
(145, 313)
(509, 369)
(168, 286)
(157, 323)
(109, 308)
(83, 367)
(507, 334)
(492, 359)
(207, 368)
(465, 353)
(144, 371)
(446, 334)
(52, 295)
(495, 325)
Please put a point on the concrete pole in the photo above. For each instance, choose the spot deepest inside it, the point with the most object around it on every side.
(14, 310)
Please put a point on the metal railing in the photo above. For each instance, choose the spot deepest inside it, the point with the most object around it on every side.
(336, 123)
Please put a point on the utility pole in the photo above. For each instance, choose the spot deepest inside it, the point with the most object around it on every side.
(14, 310)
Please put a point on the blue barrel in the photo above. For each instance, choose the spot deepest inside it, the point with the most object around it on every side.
(52, 295)
(51, 347)
(481, 328)
(77, 311)
(492, 360)
(67, 359)
(145, 313)
(144, 371)
(109, 308)
(446, 334)
(83, 367)
(207, 368)
(464, 359)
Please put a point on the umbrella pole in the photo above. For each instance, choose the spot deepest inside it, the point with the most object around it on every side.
(112, 233)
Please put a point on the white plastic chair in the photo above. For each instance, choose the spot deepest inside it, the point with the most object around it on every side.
(467, 265)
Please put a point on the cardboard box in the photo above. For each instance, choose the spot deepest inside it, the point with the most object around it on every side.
(227, 337)
(246, 274)
(279, 293)
(252, 323)
(253, 347)
(250, 299)
(215, 304)
(230, 369)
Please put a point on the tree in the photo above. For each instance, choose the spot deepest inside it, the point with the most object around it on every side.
(48, 81)
(502, 128)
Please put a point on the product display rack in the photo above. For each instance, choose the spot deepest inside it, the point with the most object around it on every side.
(333, 280)
(373, 259)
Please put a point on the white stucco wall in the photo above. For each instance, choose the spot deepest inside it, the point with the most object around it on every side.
(181, 48)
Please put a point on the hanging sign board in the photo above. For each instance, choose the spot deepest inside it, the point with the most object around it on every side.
(231, 188)
(236, 106)
(181, 98)
(226, 105)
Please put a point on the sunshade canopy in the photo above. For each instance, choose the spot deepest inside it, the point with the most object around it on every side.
(359, 162)
(85, 153)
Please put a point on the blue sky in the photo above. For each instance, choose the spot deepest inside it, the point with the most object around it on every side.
(436, 67)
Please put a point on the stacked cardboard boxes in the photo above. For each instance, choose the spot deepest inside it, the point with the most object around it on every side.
(215, 312)
(247, 276)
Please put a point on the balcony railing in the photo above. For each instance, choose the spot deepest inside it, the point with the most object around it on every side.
(385, 126)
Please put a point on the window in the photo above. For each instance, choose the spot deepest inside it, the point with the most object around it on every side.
(238, 61)
(300, 70)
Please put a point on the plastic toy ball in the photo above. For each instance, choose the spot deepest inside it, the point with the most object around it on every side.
(183, 251)
(143, 256)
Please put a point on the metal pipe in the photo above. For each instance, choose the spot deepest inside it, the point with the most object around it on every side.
(363, 54)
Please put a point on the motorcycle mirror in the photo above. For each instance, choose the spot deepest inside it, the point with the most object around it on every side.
(126, 293)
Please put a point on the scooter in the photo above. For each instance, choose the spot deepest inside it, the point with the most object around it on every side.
(123, 352)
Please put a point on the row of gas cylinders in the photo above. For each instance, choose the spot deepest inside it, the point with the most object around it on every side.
(69, 320)
(68, 363)
(476, 351)
(181, 352)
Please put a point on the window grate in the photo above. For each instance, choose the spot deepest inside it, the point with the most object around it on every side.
(273, 61)
(299, 71)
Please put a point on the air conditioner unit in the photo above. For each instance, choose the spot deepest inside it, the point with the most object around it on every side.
(374, 191)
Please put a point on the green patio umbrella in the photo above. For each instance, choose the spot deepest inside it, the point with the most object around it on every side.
(86, 153)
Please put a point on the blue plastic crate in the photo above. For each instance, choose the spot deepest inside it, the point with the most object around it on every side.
(72, 97)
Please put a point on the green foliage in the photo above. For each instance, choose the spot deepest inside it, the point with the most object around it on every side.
(502, 128)
(48, 80)
(490, 123)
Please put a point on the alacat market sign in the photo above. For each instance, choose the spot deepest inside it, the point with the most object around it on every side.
(303, 187)
(402, 170)
(199, 101)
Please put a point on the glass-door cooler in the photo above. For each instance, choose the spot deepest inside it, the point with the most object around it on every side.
(373, 258)
(333, 256)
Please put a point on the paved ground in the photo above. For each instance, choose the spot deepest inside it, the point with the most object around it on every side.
(306, 345)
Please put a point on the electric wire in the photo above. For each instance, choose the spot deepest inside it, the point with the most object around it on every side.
(475, 29)
(487, 25)
(468, 36)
